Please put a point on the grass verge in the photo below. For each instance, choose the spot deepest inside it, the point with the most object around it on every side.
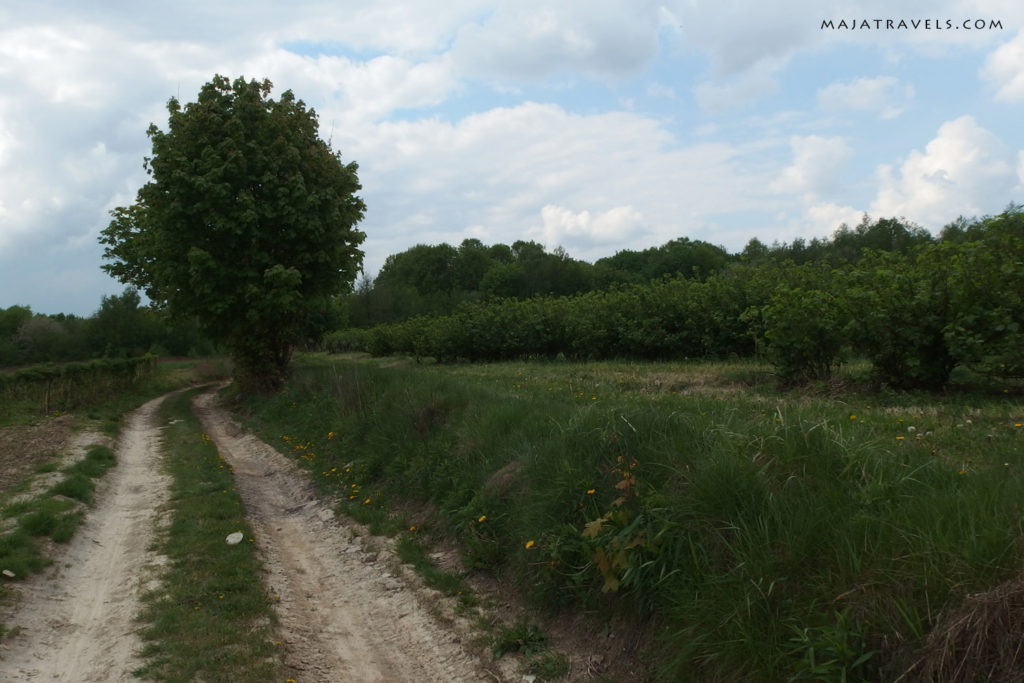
(768, 535)
(210, 619)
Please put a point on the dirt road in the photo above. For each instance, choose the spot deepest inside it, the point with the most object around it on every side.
(77, 623)
(346, 614)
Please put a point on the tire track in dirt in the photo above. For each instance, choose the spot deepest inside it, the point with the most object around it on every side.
(343, 615)
(78, 621)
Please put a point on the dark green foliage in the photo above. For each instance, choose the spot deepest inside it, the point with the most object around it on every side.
(986, 284)
(885, 291)
(803, 325)
(247, 222)
(682, 256)
(675, 318)
(885, 234)
(900, 308)
(122, 327)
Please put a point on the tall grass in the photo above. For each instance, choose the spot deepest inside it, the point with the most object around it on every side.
(770, 536)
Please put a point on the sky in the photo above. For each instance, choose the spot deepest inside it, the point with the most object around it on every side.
(596, 126)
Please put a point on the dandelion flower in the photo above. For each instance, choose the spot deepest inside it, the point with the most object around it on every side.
(590, 492)
(529, 544)
(481, 518)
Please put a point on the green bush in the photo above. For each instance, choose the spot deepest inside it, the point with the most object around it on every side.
(900, 307)
(803, 325)
(986, 284)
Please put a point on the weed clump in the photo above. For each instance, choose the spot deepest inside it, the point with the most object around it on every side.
(980, 640)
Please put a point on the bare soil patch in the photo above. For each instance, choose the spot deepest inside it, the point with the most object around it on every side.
(24, 447)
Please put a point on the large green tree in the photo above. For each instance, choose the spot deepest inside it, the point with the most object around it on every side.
(248, 223)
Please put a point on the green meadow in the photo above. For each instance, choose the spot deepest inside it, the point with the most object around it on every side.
(819, 534)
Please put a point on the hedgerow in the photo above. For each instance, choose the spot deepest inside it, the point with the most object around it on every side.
(54, 387)
(914, 314)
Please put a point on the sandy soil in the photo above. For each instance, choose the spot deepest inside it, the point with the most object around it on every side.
(346, 612)
(77, 622)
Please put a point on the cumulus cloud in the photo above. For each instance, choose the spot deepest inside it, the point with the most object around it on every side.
(817, 164)
(825, 218)
(533, 38)
(884, 95)
(360, 91)
(1004, 68)
(964, 170)
(563, 227)
(490, 175)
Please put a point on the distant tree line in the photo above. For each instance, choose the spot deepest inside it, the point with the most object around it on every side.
(915, 305)
(121, 328)
(436, 279)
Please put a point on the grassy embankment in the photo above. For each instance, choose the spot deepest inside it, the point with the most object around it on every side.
(767, 535)
(210, 619)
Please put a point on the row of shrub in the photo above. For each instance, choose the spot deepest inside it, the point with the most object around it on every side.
(672, 318)
(57, 388)
(915, 315)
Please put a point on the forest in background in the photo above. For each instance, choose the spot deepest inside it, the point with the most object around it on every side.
(804, 305)
(436, 279)
(122, 327)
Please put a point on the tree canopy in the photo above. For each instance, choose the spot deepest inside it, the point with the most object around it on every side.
(248, 223)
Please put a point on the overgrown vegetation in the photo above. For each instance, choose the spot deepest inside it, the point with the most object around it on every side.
(102, 389)
(211, 618)
(916, 309)
(121, 328)
(771, 536)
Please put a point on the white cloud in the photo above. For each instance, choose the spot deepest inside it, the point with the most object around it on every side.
(885, 95)
(824, 219)
(817, 165)
(964, 170)
(530, 39)
(359, 91)
(1005, 69)
(490, 175)
(738, 35)
(562, 227)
